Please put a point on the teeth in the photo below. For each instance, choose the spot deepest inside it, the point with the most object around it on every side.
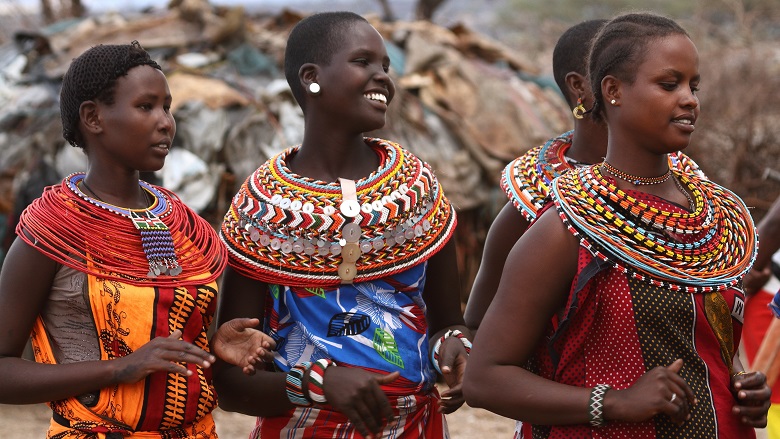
(377, 97)
(684, 121)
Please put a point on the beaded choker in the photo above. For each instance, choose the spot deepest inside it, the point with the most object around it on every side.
(708, 249)
(635, 179)
(98, 238)
(287, 229)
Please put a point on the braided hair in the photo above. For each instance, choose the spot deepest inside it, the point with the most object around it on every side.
(92, 76)
(571, 53)
(314, 40)
(620, 46)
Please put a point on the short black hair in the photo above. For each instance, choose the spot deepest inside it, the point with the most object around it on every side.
(571, 53)
(620, 46)
(314, 40)
(92, 76)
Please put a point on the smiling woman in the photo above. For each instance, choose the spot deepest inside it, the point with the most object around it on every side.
(636, 329)
(341, 247)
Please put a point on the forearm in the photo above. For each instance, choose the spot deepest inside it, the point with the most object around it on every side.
(262, 394)
(516, 393)
(28, 382)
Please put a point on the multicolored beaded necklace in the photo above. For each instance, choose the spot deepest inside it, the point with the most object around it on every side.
(99, 238)
(706, 250)
(526, 179)
(288, 229)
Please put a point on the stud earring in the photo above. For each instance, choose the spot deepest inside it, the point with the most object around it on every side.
(613, 102)
(579, 110)
(314, 88)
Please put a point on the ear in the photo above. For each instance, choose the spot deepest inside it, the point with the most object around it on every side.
(89, 115)
(307, 74)
(576, 85)
(610, 89)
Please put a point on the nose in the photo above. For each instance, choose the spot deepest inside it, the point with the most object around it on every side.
(384, 78)
(690, 100)
(165, 121)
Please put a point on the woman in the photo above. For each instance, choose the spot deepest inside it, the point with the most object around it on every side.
(634, 331)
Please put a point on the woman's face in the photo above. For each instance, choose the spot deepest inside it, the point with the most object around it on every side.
(660, 107)
(138, 128)
(356, 88)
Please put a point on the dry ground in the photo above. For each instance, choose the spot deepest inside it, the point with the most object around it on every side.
(31, 421)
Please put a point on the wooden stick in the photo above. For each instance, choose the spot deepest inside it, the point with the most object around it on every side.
(767, 359)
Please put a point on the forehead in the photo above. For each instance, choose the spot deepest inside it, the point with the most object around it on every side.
(141, 80)
(671, 53)
(356, 36)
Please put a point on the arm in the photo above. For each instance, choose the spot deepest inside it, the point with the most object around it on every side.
(506, 229)
(769, 242)
(352, 391)
(25, 284)
(442, 299)
(528, 295)
(261, 394)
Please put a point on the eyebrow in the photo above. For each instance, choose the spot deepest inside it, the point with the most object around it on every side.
(678, 74)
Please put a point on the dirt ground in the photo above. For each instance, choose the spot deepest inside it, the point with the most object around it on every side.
(31, 421)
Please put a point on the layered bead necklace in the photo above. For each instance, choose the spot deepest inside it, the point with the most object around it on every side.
(99, 238)
(708, 249)
(290, 229)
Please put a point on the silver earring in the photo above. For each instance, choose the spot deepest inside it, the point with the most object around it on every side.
(613, 102)
(314, 88)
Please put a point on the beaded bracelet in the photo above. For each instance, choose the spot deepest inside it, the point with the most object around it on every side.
(596, 405)
(437, 346)
(294, 385)
(316, 380)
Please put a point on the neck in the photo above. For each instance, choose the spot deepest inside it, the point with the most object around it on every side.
(330, 158)
(119, 190)
(589, 142)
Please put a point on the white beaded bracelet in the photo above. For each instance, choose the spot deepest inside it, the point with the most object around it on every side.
(596, 406)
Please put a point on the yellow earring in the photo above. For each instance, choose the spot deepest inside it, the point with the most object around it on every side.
(579, 110)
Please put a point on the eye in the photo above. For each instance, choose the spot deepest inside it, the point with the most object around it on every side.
(386, 67)
(146, 107)
(669, 86)
(363, 61)
(694, 89)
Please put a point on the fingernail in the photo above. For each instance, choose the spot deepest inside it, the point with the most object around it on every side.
(206, 364)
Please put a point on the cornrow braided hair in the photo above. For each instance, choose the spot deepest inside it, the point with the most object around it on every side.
(571, 53)
(92, 76)
(619, 48)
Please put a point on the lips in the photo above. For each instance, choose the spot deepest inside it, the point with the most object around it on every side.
(685, 122)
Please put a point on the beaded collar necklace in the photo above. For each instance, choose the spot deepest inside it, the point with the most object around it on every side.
(288, 229)
(156, 238)
(706, 250)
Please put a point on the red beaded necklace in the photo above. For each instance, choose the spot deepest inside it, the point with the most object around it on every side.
(104, 240)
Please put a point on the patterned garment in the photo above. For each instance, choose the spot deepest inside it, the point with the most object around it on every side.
(375, 321)
(526, 179)
(616, 327)
(377, 325)
(128, 310)
(162, 405)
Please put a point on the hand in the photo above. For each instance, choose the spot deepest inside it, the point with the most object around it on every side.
(752, 395)
(755, 279)
(653, 394)
(162, 354)
(357, 394)
(238, 343)
(452, 362)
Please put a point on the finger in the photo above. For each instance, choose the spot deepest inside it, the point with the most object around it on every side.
(364, 420)
(386, 379)
(676, 366)
(175, 335)
(683, 389)
(450, 405)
